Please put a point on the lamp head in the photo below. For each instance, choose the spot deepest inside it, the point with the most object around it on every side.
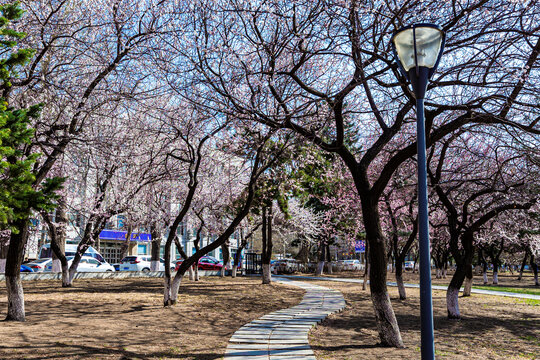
(418, 49)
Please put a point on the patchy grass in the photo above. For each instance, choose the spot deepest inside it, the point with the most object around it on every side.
(510, 289)
(493, 327)
(125, 319)
(507, 281)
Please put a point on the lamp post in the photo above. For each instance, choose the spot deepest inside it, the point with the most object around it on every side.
(417, 49)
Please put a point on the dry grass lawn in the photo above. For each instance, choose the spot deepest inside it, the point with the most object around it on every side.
(492, 328)
(125, 319)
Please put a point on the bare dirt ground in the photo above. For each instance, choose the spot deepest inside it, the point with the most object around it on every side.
(125, 319)
(492, 328)
(506, 279)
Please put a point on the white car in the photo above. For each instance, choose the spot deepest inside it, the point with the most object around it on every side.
(352, 265)
(87, 264)
(141, 263)
(39, 265)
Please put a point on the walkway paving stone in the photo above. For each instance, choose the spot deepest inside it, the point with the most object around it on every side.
(283, 334)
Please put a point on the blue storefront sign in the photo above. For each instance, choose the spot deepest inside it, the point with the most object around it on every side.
(359, 246)
(121, 235)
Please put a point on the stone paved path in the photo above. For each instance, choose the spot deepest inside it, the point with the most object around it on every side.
(434, 287)
(283, 334)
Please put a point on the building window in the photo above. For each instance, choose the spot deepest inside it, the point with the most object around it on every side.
(141, 249)
(120, 221)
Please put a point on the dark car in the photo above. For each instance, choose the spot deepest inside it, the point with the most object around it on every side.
(25, 268)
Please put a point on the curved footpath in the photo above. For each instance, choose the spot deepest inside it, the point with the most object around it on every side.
(434, 287)
(283, 334)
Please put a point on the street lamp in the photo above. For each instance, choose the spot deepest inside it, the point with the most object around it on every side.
(418, 49)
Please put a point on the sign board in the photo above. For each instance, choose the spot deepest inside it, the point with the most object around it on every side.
(359, 246)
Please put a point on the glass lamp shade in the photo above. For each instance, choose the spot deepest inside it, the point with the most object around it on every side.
(428, 45)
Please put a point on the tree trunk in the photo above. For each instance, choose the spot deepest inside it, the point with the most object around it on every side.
(226, 258)
(328, 259)
(125, 245)
(62, 220)
(155, 244)
(233, 271)
(267, 245)
(15, 254)
(171, 290)
(384, 313)
(4, 246)
(452, 293)
(196, 270)
(320, 268)
(191, 273)
(399, 280)
(496, 266)
(468, 281)
(15, 295)
(266, 275)
(322, 258)
(366, 267)
(534, 267)
(329, 267)
(523, 263)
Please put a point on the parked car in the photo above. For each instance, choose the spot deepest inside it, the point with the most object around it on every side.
(273, 268)
(285, 266)
(352, 265)
(209, 263)
(205, 263)
(26, 268)
(140, 263)
(409, 265)
(70, 250)
(39, 265)
(87, 264)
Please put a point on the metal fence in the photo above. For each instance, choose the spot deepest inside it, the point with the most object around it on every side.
(253, 264)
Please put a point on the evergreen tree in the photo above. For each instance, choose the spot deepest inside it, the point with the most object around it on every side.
(19, 192)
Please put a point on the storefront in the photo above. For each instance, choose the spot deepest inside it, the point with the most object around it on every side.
(111, 242)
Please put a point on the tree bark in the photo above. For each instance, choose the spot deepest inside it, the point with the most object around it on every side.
(366, 267)
(328, 259)
(155, 244)
(15, 255)
(60, 238)
(125, 245)
(196, 272)
(534, 267)
(399, 281)
(226, 258)
(384, 313)
(468, 281)
(322, 258)
(523, 263)
(267, 244)
(452, 293)
(57, 234)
